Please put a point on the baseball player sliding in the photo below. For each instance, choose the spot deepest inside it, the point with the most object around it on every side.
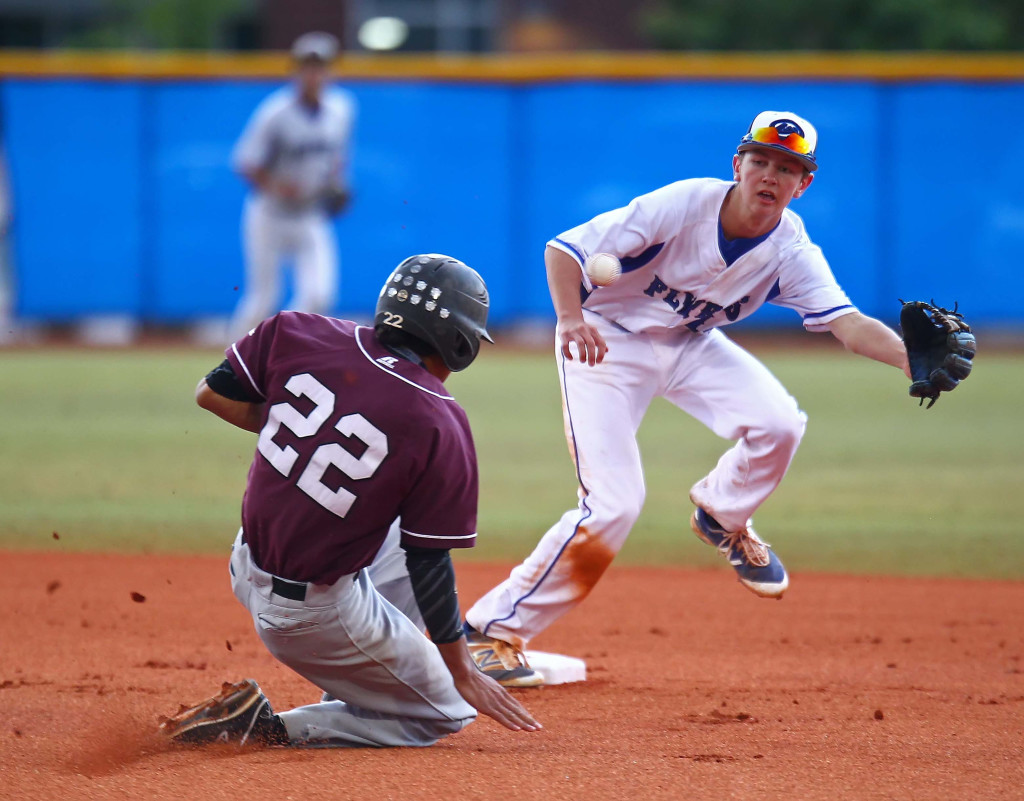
(695, 256)
(294, 155)
(364, 477)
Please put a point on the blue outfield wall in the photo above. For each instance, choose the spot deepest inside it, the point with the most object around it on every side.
(125, 201)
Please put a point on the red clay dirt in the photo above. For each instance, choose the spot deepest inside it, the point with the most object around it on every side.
(852, 688)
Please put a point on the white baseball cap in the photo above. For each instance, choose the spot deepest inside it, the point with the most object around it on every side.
(315, 44)
(785, 131)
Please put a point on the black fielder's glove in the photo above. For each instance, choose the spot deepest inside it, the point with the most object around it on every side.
(940, 348)
(334, 200)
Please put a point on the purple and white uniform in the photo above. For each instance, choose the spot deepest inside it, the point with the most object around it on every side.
(352, 438)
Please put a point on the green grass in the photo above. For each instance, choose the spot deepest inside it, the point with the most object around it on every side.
(108, 449)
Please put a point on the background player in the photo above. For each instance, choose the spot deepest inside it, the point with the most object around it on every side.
(355, 430)
(294, 153)
(696, 255)
(8, 325)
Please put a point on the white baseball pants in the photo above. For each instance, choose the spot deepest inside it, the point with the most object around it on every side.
(706, 375)
(352, 642)
(269, 237)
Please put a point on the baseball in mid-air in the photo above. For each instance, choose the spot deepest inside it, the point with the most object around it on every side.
(602, 269)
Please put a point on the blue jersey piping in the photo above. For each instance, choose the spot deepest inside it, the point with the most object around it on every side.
(587, 513)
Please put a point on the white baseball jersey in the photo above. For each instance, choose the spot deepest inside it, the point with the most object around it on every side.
(309, 149)
(674, 274)
(681, 280)
(304, 147)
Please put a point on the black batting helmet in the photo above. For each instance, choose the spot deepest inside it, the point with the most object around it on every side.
(440, 301)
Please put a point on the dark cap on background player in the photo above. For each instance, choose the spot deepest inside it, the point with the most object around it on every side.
(315, 46)
(783, 131)
(439, 302)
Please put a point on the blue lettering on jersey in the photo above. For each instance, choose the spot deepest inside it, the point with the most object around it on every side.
(307, 148)
(685, 304)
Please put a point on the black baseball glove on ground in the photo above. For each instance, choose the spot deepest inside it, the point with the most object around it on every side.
(940, 348)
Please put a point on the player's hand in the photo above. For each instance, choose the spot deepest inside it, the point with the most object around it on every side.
(590, 345)
(482, 692)
(489, 698)
(287, 190)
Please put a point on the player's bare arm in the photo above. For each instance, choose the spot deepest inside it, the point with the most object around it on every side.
(261, 179)
(869, 337)
(243, 414)
(432, 577)
(482, 692)
(564, 285)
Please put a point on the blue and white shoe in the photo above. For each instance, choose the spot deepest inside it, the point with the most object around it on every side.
(756, 565)
(500, 660)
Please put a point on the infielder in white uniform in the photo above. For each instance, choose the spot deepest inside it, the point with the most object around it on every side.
(8, 326)
(696, 255)
(294, 154)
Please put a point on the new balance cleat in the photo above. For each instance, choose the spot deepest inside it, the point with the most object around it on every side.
(240, 715)
(503, 662)
(755, 563)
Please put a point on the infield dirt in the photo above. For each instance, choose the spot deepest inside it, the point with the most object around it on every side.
(853, 688)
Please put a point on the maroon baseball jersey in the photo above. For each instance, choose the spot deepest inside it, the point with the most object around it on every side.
(352, 437)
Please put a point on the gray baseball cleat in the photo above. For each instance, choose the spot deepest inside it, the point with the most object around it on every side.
(503, 662)
(240, 715)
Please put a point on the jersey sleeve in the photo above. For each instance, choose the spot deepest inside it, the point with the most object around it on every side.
(255, 147)
(249, 355)
(807, 286)
(440, 511)
(628, 231)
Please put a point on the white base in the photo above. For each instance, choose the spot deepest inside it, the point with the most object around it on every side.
(557, 668)
(108, 330)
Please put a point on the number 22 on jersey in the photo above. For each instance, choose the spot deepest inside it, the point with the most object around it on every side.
(338, 501)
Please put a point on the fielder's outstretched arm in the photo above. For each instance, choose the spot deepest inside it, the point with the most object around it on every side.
(869, 337)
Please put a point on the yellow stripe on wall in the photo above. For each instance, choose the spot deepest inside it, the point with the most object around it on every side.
(532, 68)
